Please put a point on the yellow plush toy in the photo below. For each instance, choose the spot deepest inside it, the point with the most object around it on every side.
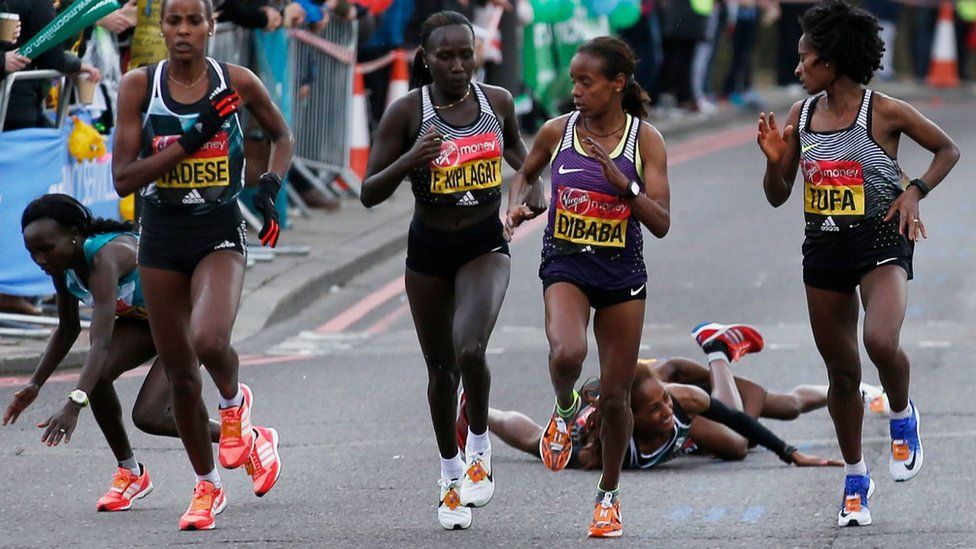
(85, 143)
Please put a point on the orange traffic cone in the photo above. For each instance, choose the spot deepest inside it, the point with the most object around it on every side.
(399, 78)
(359, 127)
(943, 70)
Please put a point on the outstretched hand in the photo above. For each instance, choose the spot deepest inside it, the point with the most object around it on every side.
(22, 399)
(770, 140)
(804, 460)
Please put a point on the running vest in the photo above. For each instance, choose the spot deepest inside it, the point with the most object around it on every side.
(674, 447)
(848, 179)
(129, 301)
(468, 171)
(592, 236)
(210, 178)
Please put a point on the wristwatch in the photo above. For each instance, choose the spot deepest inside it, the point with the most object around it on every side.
(633, 190)
(79, 397)
(922, 187)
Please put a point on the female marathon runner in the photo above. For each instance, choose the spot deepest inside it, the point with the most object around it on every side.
(681, 407)
(862, 223)
(609, 177)
(94, 260)
(179, 143)
(449, 135)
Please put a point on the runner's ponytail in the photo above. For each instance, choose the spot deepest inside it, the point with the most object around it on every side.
(634, 98)
(619, 59)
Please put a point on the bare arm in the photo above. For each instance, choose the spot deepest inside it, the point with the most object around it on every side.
(258, 102)
(906, 119)
(653, 208)
(782, 154)
(545, 143)
(389, 159)
(129, 171)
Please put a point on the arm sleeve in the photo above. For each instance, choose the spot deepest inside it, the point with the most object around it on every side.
(750, 428)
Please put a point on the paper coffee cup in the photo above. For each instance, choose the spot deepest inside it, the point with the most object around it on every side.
(86, 89)
(8, 26)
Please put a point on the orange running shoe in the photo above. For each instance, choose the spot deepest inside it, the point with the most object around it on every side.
(208, 501)
(236, 433)
(264, 463)
(126, 488)
(606, 517)
(556, 444)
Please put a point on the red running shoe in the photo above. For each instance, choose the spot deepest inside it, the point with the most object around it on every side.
(208, 501)
(740, 339)
(236, 433)
(461, 424)
(264, 463)
(126, 488)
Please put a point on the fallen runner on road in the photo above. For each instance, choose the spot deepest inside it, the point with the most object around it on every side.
(684, 407)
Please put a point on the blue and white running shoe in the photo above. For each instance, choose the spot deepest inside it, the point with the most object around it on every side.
(906, 447)
(854, 509)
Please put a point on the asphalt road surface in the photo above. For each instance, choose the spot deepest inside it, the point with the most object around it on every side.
(344, 384)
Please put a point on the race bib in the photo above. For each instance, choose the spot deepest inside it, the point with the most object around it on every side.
(833, 187)
(467, 164)
(208, 167)
(590, 218)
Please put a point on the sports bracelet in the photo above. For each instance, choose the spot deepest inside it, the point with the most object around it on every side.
(922, 187)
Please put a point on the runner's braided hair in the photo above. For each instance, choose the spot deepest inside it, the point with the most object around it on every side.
(69, 213)
(419, 73)
(617, 59)
(846, 36)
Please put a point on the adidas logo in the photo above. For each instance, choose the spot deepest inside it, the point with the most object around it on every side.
(223, 245)
(198, 127)
(193, 197)
(829, 226)
(468, 200)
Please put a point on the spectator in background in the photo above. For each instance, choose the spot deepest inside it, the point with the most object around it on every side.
(789, 36)
(645, 39)
(386, 37)
(738, 81)
(683, 29)
(718, 18)
(26, 98)
(887, 12)
(249, 14)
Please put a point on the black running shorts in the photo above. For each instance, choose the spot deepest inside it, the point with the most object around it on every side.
(441, 254)
(601, 298)
(177, 241)
(839, 262)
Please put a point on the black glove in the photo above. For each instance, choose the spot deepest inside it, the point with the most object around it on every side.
(223, 103)
(264, 202)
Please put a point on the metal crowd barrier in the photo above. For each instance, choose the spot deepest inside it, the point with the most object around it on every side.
(67, 85)
(231, 44)
(323, 66)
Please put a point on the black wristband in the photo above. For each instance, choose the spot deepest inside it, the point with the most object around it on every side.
(273, 179)
(921, 186)
(787, 454)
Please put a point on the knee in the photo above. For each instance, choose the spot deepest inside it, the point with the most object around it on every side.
(147, 418)
(184, 383)
(567, 357)
(737, 451)
(614, 403)
(470, 354)
(881, 345)
(210, 346)
(844, 381)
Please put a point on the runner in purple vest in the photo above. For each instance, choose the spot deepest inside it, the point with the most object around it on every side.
(609, 177)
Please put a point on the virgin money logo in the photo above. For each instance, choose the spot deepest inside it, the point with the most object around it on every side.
(575, 200)
(450, 155)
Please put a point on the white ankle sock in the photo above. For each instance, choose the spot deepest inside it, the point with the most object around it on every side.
(452, 468)
(859, 468)
(478, 443)
(907, 412)
(237, 400)
(131, 464)
(212, 476)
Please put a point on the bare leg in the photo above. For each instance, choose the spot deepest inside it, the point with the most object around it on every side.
(567, 316)
(516, 429)
(833, 318)
(215, 292)
(884, 293)
(153, 409)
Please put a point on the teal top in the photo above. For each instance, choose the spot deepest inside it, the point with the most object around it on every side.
(129, 301)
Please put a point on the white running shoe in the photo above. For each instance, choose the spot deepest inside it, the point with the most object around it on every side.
(875, 399)
(906, 457)
(477, 484)
(854, 511)
(450, 513)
